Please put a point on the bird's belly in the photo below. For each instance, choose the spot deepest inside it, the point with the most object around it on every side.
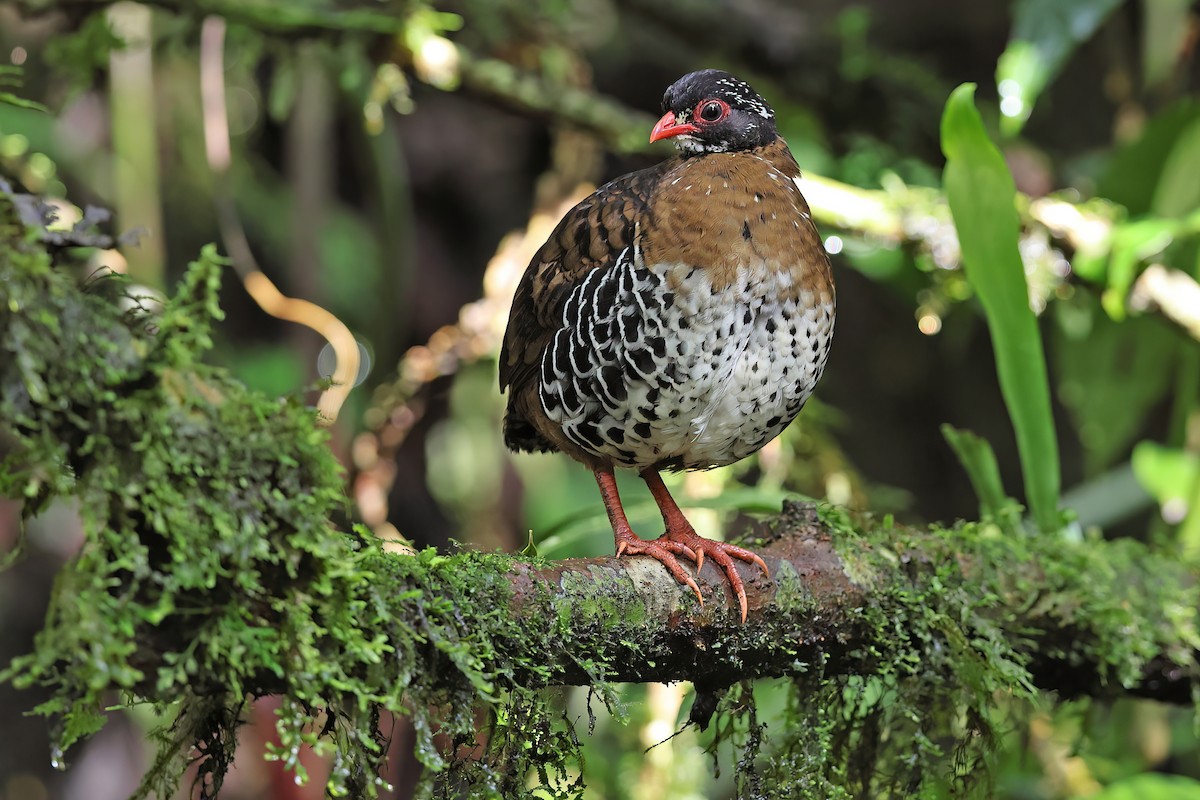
(745, 378)
(706, 376)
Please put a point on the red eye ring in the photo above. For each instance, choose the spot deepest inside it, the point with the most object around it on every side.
(710, 111)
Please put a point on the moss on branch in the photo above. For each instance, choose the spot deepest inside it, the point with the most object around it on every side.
(215, 570)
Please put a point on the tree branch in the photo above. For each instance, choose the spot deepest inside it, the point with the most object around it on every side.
(814, 612)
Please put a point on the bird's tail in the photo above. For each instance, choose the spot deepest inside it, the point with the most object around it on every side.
(520, 435)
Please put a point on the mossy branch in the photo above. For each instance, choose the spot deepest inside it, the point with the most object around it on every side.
(847, 597)
(214, 571)
(842, 599)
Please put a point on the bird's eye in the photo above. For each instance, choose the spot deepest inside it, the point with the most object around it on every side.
(712, 111)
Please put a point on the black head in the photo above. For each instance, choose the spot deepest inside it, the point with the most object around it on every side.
(711, 111)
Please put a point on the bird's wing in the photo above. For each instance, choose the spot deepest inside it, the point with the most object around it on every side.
(591, 236)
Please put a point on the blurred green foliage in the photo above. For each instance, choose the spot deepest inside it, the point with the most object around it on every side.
(1044, 34)
(10, 76)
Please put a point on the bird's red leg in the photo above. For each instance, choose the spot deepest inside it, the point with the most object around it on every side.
(681, 532)
(629, 542)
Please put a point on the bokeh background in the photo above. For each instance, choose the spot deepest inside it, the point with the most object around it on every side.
(395, 164)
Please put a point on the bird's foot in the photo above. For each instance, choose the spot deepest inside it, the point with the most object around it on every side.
(662, 550)
(722, 554)
(688, 543)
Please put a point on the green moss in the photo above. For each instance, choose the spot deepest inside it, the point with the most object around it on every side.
(947, 669)
(211, 570)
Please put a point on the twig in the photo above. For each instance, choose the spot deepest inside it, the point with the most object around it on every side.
(1176, 294)
(257, 284)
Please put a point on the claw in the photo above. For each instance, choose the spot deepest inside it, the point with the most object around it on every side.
(680, 539)
(675, 543)
(691, 584)
(663, 551)
(723, 555)
(678, 548)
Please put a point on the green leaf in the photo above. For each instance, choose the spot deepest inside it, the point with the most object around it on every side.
(1173, 477)
(1151, 786)
(11, 99)
(1045, 33)
(1110, 375)
(1167, 473)
(979, 461)
(1153, 176)
(1132, 243)
(80, 722)
(982, 200)
(1135, 170)
(1178, 192)
(11, 76)
(1165, 28)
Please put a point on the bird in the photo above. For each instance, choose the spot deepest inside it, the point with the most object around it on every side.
(676, 319)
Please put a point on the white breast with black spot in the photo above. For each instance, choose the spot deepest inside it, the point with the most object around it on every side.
(644, 376)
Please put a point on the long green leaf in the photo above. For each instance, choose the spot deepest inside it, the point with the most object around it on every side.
(982, 200)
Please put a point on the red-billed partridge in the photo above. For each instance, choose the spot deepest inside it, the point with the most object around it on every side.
(678, 318)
